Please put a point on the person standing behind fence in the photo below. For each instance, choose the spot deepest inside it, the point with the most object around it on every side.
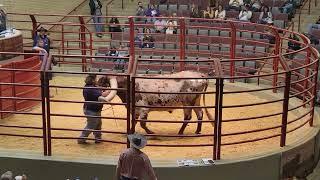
(133, 164)
(95, 8)
(92, 109)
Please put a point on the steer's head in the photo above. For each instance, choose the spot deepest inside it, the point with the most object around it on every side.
(114, 83)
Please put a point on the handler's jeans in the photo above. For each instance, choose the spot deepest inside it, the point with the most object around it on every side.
(93, 123)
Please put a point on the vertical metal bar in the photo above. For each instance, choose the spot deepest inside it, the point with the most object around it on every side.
(122, 6)
(128, 108)
(1, 101)
(219, 120)
(133, 105)
(182, 43)
(276, 59)
(83, 43)
(132, 48)
(43, 109)
(232, 49)
(62, 39)
(285, 107)
(47, 95)
(216, 117)
(13, 80)
(316, 67)
(306, 74)
(309, 8)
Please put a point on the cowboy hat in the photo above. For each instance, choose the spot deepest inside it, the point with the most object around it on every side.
(138, 141)
(42, 29)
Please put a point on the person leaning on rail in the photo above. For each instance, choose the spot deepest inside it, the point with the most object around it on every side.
(133, 164)
(90, 93)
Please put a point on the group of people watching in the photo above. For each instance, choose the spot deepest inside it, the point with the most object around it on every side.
(245, 11)
(9, 176)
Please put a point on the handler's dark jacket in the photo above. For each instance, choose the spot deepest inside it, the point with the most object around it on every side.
(92, 94)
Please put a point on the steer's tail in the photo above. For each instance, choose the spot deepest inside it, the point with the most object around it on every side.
(211, 118)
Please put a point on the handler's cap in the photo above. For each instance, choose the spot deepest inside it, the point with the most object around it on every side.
(138, 141)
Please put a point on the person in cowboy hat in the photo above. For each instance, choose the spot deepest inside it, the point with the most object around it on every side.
(41, 41)
(133, 164)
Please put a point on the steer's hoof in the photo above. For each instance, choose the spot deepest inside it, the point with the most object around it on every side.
(149, 132)
(198, 132)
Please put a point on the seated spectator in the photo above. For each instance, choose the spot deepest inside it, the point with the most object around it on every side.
(208, 13)
(235, 4)
(138, 38)
(140, 11)
(114, 25)
(220, 13)
(123, 52)
(288, 8)
(7, 176)
(152, 12)
(256, 5)
(170, 28)
(194, 11)
(148, 40)
(160, 25)
(265, 16)
(175, 22)
(245, 14)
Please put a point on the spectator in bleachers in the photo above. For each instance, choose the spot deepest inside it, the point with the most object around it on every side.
(140, 11)
(148, 40)
(174, 21)
(160, 25)
(7, 176)
(288, 8)
(194, 11)
(265, 16)
(220, 13)
(162, 1)
(235, 4)
(256, 5)
(208, 13)
(170, 28)
(122, 52)
(138, 39)
(245, 14)
(95, 10)
(152, 12)
(114, 25)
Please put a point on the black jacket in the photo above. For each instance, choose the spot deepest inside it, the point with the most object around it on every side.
(93, 7)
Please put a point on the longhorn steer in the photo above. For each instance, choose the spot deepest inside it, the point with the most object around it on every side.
(172, 86)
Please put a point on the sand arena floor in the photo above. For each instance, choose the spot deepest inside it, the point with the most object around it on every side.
(71, 148)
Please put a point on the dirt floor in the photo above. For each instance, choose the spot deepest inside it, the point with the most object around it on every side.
(71, 148)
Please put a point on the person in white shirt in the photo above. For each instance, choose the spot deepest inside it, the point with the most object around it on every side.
(220, 13)
(235, 4)
(245, 14)
(170, 28)
(160, 25)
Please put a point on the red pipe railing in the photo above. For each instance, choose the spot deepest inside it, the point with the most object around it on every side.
(227, 68)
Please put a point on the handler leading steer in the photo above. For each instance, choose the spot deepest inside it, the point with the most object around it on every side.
(90, 108)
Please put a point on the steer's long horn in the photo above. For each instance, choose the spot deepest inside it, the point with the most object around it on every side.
(113, 93)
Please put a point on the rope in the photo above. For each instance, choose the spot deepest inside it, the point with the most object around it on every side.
(115, 120)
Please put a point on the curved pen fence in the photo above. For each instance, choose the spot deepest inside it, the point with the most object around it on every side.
(231, 51)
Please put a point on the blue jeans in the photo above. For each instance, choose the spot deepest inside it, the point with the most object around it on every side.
(93, 123)
(96, 19)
